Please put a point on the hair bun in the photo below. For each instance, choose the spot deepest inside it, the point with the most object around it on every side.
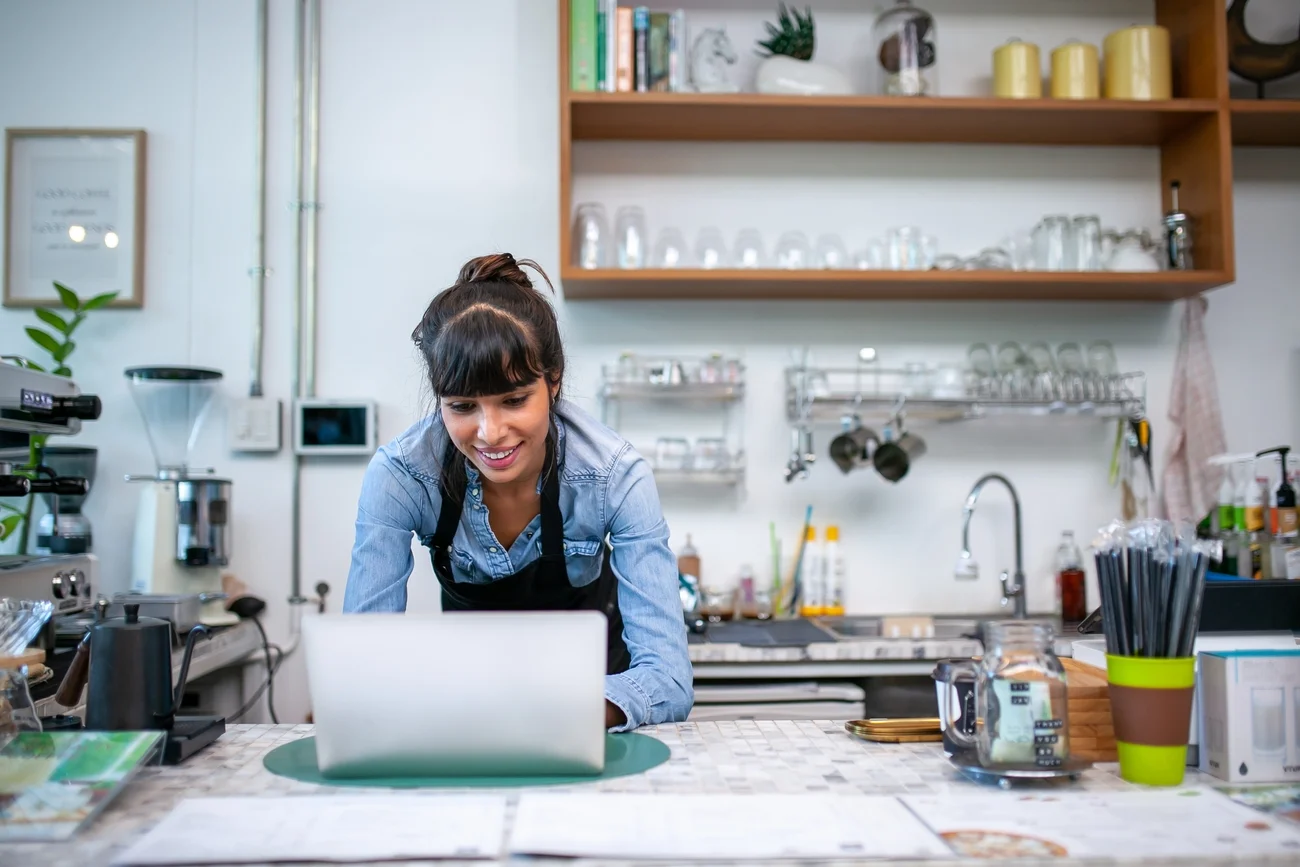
(496, 268)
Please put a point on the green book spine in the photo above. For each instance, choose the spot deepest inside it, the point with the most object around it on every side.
(659, 51)
(602, 50)
(582, 45)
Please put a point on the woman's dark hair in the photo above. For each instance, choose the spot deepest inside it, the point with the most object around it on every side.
(491, 332)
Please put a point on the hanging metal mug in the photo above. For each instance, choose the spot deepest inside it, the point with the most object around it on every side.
(855, 446)
(894, 457)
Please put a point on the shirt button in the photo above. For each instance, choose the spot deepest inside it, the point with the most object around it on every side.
(492, 550)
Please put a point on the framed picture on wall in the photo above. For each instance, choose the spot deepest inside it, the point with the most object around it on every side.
(74, 213)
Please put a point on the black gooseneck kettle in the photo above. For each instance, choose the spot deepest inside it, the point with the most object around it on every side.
(129, 661)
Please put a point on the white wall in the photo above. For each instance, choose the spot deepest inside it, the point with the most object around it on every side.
(439, 143)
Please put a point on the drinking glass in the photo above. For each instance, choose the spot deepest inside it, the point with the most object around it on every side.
(717, 604)
(1041, 355)
(1020, 249)
(872, 257)
(711, 249)
(793, 251)
(980, 357)
(1069, 358)
(672, 453)
(749, 249)
(590, 236)
(1045, 379)
(916, 379)
(629, 229)
(831, 253)
(1101, 358)
(670, 249)
(927, 252)
(903, 247)
(1103, 368)
(1051, 243)
(1086, 238)
(1009, 355)
(711, 453)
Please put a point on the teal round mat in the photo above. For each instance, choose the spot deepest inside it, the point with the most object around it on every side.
(625, 754)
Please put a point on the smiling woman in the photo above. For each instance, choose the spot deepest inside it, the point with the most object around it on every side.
(524, 501)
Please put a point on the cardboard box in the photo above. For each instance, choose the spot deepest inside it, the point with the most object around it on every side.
(1250, 715)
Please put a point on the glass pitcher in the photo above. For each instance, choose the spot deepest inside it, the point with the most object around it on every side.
(17, 710)
(1020, 698)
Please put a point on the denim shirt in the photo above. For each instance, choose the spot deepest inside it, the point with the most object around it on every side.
(606, 488)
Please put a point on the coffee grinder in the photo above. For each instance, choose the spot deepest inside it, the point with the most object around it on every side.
(182, 526)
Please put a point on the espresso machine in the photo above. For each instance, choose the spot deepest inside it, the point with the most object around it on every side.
(182, 525)
(64, 528)
(37, 403)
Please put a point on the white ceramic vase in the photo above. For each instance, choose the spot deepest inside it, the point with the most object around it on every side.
(781, 74)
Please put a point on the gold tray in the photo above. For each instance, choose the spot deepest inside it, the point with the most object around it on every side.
(896, 731)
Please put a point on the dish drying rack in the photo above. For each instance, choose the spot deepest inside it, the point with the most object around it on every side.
(711, 384)
(829, 394)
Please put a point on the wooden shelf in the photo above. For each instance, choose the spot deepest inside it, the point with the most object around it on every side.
(764, 117)
(887, 285)
(1271, 122)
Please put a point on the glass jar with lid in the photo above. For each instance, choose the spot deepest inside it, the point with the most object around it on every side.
(906, 51)
(1020, 698)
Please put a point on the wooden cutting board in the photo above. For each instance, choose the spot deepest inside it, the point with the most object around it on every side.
(30, 656)
(1092, 732)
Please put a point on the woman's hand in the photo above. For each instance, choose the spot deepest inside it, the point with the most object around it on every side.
(614, 716)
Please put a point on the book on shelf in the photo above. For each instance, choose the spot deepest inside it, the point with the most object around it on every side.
(641, 48)
(582, 45)
(623, 61)
(616, 48)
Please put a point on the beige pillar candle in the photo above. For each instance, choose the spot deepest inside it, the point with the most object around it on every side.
(1017, 73)
(1137, 63)
(1076, 72)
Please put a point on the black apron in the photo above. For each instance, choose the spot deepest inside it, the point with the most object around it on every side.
(542, 585)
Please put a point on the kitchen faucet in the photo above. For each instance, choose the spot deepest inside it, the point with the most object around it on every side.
(967, 567)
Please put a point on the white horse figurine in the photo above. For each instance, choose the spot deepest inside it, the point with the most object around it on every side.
(711, 54)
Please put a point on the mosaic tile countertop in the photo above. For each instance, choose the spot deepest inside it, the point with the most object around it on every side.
(724, 757)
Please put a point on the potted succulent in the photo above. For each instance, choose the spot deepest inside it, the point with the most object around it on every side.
(56, 342)
(788, 66)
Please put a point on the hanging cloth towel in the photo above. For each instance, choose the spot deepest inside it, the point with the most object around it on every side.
(1191, 484)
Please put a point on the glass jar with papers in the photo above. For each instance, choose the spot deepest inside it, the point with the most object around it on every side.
(1020, 698)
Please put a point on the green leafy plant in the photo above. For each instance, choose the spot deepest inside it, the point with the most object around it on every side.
(794, 38)
(58, 344)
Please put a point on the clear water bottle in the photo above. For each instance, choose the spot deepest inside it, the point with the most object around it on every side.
(1071, 591)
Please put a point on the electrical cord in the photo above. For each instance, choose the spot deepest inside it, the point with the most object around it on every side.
(279, 658)
(268, 686)
(270, 669)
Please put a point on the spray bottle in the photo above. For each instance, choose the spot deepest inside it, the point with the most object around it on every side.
(1223, 520)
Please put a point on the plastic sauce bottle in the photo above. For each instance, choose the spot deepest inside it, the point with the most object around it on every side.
(1070, 587)
(833, 602)
(811, 577)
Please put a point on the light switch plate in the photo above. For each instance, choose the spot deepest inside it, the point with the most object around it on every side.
(255, 424)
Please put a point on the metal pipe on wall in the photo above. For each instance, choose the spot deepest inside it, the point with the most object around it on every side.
(258, 269)
(295, 376)
(313, 193)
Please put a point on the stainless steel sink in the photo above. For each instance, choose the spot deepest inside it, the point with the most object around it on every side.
(945, 627)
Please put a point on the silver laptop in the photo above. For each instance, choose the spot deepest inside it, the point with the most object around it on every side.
(458, 694)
